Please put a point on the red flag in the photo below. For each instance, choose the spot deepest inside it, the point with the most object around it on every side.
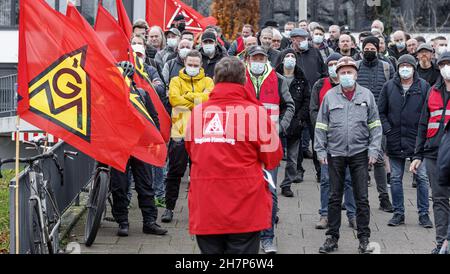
(163, 12)
(70, 87)
(151, 147)
(114, 38)
(124, 20)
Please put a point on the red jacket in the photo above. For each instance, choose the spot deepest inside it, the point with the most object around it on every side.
(227, 193)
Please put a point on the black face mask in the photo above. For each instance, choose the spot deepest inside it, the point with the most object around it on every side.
(370, 55)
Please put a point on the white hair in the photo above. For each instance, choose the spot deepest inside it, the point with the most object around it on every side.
(277, 33)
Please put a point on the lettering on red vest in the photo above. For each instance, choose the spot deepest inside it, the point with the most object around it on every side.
(240, 45)
(436, 108)
(325, 88)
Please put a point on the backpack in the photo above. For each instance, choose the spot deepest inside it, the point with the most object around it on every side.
(386, 68)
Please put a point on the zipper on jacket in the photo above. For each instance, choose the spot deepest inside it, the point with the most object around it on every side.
(192, 84)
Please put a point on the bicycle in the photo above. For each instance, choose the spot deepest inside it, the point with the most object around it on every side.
(43, 213)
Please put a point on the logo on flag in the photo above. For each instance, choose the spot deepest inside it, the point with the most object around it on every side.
(61, 94)
(191, 24)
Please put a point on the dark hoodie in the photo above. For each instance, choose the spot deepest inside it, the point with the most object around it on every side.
(210, 64)
(300, 93)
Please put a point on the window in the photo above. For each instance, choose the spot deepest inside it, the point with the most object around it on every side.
(9, 13)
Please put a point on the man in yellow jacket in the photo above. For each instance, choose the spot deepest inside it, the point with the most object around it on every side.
(189, 89)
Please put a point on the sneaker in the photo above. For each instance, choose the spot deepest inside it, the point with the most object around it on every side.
(414, 182)
(330, 245)
(167, 216)
(287, 192)
(160, 202)
(397, 220)
(425, 221)
(153, 228)
(362, 248)
(123, 230)
(352, 223)
(386, 206)
(436, 250)
(323, 223)
(268, 246)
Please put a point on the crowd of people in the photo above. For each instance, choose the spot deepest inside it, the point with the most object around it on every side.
(369, 103)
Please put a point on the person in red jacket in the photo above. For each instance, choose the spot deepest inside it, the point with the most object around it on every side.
(230, 139)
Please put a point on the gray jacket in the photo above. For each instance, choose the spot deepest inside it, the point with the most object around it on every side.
(345, 128)
(163, 56)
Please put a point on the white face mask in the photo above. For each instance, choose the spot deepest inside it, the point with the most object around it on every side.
(209, 49)
(290, 62)
(317, 39)
(257, 68)
(304, 45)
(445, 72)
(172, 42)
(191, 71)
(332, 71)
(406, 72)
(287, 34)
(375, 30)
(441, 50)
(139, 49)
(183, 52)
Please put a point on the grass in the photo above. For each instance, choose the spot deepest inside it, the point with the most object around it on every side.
(4, 210)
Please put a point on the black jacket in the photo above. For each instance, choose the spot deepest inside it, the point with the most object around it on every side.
(400, 115)
(285, 43)
(147, 101)
(444, 159)
(314, 104)
(274, 55)
(210, 64)
(428, 148)
(299, 90)
(311, 62)
(393, 51)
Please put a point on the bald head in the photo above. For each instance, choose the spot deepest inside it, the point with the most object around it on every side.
(412, 45)
(250, 41)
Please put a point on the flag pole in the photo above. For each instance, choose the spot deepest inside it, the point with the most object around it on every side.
(17, 238)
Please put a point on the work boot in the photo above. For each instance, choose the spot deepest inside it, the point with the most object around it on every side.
(153, 228)
(425, 221)
(397, 220)
(363, 246)
(287, 192)
(330, 245)
(123, 230)
(167, 216)
(323, 223)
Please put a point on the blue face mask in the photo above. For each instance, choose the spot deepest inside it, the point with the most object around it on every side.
(304, 45)
(401, 45)
(257, 68)
(332, 72)
(290, 62)
(406, 72)
(347, 81)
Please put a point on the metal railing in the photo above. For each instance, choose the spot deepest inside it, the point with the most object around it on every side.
(8, 95)
(77, 173)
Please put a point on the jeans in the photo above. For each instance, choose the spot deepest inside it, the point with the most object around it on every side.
(306, 139)
(269, 234)
(158, 181)
(441, 207)
(291, 162)
(178, 162)
(300, 153)
(349, 200)
(397, 172)
(358, 165)
(119, 189)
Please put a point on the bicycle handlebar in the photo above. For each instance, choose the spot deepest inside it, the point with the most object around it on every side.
(31, 160)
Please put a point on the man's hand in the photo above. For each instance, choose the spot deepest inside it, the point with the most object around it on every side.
(372, 161)
(323, 161)
(415, 166)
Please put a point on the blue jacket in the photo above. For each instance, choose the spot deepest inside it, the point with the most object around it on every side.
(400, 115)
(444, 159)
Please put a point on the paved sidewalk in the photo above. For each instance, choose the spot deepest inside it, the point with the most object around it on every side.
(295, 233)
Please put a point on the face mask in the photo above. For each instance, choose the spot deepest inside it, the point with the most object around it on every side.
(191, 71)
(401, 46)
(172, 42)
(287, 34)
(209, 49)
(405, 73)
(445, 72)
(139, 49)
(304, 45)
(370, 55)
(441, 50)
(290, 62)
(183, 52)
(347, 81)
(375, 30)
(257, 68)
(332, 71)
(317, 39)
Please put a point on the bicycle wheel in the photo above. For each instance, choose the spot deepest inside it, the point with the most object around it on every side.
(35, 231)
(96, 206)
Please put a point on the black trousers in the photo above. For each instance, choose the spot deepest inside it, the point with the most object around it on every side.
(247, 243)
(178, 162)
(143, 184)
(358, 165)
(300, 154)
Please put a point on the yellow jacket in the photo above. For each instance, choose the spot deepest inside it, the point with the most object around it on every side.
(185, 93)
